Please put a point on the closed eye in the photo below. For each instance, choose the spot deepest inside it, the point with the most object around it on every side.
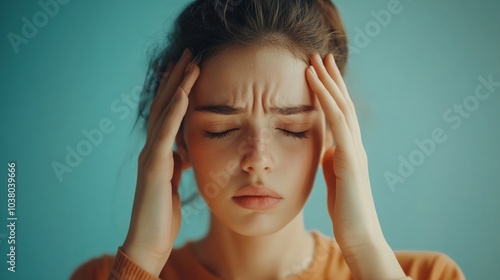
(220, 135)
(298, 135)
(217, 135)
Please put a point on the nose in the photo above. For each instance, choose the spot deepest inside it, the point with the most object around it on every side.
(257, 158)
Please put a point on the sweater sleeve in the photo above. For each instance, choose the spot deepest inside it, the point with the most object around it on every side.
(429, 266)
(107, 267)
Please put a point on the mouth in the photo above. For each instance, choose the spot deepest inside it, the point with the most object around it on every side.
(256, 197)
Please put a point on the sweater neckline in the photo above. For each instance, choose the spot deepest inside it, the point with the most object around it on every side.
(188, 251)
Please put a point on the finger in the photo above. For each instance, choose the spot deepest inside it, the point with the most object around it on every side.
(339, 97)
(334, 72)
(166, 88)
(329, 83)
(185, 86)
(164, 79)
(334, 115)
(175, 78)
(155, 107)
(168, 127)
(153, 115)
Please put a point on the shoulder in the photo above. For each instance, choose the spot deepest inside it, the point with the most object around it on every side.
(97, 268)
(429, 265)
(329, 263)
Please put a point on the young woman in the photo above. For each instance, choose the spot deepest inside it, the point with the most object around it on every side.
(254, 104)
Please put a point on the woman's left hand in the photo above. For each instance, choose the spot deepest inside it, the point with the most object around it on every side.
(345, 165)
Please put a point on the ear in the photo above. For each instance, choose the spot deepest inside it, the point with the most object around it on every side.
(182, 149)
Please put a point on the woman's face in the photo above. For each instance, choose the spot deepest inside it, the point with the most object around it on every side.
(252, 119)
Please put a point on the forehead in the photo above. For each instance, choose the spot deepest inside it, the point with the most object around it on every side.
(240, 75)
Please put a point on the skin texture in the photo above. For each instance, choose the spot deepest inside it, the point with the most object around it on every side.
(256, 151)
(258, 148)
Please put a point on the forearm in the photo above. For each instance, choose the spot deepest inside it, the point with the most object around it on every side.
(375, 261)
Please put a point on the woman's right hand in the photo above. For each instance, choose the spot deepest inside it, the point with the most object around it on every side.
(156, 213)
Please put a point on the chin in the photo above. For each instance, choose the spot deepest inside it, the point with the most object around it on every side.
(255, 223)
(257, 226)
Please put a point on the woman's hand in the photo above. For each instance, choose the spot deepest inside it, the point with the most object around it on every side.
(345, 166)
(156, 213)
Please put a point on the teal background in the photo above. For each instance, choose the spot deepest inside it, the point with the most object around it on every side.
(67, 77)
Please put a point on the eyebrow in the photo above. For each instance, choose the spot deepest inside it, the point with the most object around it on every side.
(229, 110)
(293, 110)
(220, 109)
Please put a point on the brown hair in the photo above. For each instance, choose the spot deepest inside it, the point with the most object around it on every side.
(207, 27)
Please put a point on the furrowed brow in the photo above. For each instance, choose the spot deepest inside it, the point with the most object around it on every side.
(293, 110)
(219, 109)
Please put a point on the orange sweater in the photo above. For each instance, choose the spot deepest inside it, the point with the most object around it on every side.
(328, 263)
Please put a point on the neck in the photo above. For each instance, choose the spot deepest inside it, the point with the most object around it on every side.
(230, 255)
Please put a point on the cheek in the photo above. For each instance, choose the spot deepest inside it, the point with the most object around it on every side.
(202, 155)
(302, 156)
(212, 165)
(306, 158)
(302, 160)
(310, 150)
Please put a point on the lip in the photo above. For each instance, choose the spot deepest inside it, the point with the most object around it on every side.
(256, 190)
(256, 197)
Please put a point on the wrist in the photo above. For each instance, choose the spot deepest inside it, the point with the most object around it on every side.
(149, 262)
(374, 260)
(361, 240)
